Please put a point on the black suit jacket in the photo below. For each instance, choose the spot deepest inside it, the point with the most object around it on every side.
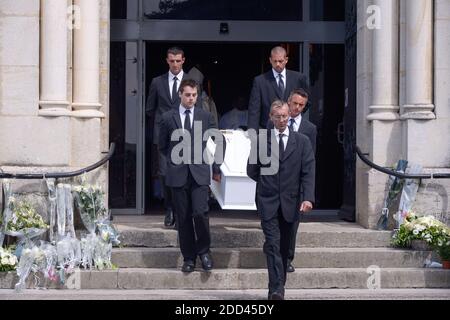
(265, 91)
(309, 129)
(291, 185)
(177, 174)
(159, 101)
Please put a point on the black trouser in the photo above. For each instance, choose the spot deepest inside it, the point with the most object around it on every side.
(278, 235)
(293, 240)
(190, 205)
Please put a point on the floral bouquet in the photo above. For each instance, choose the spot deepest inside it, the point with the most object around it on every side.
(443, 249)
(427, 228)
(24, 217)
(96, 253)
(107, 232)
(394, 188)
(35, 259)
(102, 255)
(69, 253)
(90, 202)
(25, 223)
(6, 214)
(8, 261)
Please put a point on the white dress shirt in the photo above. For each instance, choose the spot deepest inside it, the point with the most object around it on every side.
(170, 78)
(277, 78)
(297, 122)
(183, 115)
(285, 137)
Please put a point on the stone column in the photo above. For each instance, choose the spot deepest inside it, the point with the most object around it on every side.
(385, 48)
(53, 61)
(86, 71)
(419, 60)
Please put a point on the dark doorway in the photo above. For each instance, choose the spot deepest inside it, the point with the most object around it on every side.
(228, 68)
(320, 36)
(326, 73)
(122, 129)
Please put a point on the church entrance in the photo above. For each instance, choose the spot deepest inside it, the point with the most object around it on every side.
(229, 54)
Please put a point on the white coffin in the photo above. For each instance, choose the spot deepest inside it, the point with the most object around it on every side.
(236, 191)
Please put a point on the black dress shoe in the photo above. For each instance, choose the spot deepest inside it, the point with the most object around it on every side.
(206, 261)
(169, 219)
(188, 266)
(290, 267)
(276, 296)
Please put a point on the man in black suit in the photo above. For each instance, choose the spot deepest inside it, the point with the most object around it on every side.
(162, 97)
(297, 102)
(274, 84)
(182, 140)
(282, 193)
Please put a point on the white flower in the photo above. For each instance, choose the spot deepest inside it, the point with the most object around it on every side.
(5, 261)
(419, 228)
(105, 235)
(13, 260)
(415, 232)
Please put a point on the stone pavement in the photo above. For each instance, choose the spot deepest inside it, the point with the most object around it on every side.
(260, 294)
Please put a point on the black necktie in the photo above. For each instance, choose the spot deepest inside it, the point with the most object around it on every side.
(291, 124)
(174, 89)
(281, 146)
(187, 120)
(280, 83)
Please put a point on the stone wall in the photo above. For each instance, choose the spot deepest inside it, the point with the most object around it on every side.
(389, 137)
(30, 141)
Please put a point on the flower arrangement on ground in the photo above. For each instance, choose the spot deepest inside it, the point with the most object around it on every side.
(443, 248)
(24, 216)
(426, 228)
(8, 261)
(90, 202)
(97, 245)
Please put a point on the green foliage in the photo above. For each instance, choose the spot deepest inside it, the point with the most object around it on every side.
(426, 228)
(24, 216)
(444, 251)
(90, 201)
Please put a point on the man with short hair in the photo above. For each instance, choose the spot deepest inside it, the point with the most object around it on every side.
(188, 174)
(163, 96)
(297, 102)
(277, 83)
(282, 194)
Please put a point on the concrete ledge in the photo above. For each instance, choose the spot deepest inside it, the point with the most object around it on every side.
(241, 279)
(249, 258)
(249, 236)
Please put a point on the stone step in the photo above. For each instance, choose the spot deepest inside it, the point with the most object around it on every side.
(242, 279)
(255, 258)
(251, 235)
